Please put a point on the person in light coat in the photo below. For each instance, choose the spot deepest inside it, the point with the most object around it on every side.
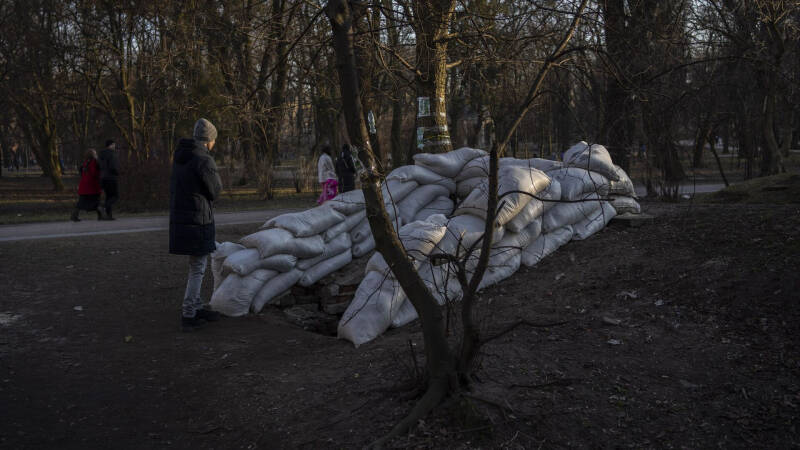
(326, 175)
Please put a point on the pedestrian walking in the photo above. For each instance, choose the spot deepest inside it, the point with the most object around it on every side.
(326, 174)
(346, 169)
(89, 187)
(194, 185)
(109, 172)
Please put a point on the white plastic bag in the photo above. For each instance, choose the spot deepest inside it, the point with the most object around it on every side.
(376, 301)
(623, 186)
(419, 238)
(546, 244)
(595, 222)
(624, 205)
(595, 158)
(245, 261)
(235, 294)
(274, 287)
(276, 241)
(422, 176)
(570, 213)
(409, 207)
(528, 214)
(306, 223)
(325, 267)
(394, 191)
(218, 259)
(467, 229)
(347, 203)
(448, 164)
(362, 248)
(466, 186)
(336, 246)
(575, 182)
(502, 269)
(439, 205)
(510, 179)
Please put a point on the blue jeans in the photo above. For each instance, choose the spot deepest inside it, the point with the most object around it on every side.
(191, 299)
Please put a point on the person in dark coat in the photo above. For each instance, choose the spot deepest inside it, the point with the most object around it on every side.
(194, 185)
(109, 171)
(346, 169)
(89, 187)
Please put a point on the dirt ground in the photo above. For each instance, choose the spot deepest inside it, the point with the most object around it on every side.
(679, 334)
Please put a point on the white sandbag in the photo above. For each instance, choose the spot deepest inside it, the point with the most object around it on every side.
(347, 203)
(361, 232)
(551, 195)
(534, 229)
(334, 231)
(405, 314)
(510, 179)
(575, 182)
(218, 259)
(545, 165)
(394, 191)
(476, 168)
(511, 241)
(441, 282)
(306, 223)
(498, 272)
(528, 214)
(336, 246)
(362, 248)
(370, 313)
(479, 167)
(623, 204)
(467, 229)
(546, 244)
(623, 186)
(274, 287)
(439, 205)
(241, 262)
(352, 221)
(245, 261)
(570, 213)
(419, 238)
(236, 293)
(448, 164)
(595, 158)
(595, 222)
(276, 241)
(575, 150)
(326, 267)
(409, 207)
(466, 186)
(422, 176)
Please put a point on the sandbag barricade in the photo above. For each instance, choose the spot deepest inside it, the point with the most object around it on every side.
(438, 206)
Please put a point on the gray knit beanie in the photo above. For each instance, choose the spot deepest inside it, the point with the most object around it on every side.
(204, 131)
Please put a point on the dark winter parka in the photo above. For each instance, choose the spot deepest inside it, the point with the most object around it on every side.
(193, 187)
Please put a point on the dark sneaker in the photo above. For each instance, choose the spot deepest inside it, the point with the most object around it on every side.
(192, 323)
(207, 315)
(74, 216)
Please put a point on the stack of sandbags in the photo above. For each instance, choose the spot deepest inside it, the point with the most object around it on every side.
(268, 263)
(379, 298)
(549, 204)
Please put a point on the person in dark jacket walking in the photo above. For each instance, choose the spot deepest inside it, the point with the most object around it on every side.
(109, 171)
(346, 169)
(89, 187)
(194, 185)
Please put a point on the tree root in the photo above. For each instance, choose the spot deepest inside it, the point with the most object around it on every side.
(436, 392)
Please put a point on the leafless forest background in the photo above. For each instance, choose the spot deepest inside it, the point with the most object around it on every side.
(638, 76)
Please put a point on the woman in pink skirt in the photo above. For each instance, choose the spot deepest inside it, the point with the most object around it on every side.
(326, 175)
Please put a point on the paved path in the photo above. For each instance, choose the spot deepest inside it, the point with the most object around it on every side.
(92, 227)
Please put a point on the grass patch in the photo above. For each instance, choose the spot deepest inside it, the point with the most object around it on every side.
(782, 188)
